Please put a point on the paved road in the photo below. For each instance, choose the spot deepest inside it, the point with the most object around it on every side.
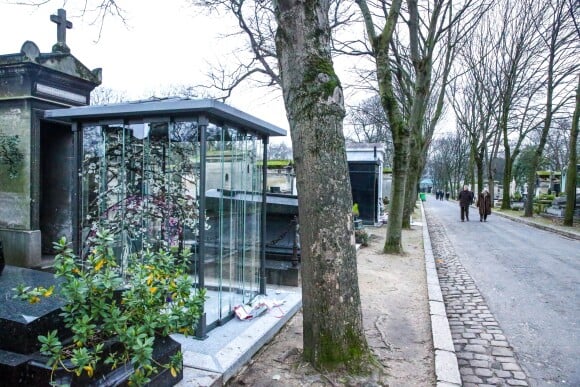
(531, 281)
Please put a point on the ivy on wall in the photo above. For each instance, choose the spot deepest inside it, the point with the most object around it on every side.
(10, 155)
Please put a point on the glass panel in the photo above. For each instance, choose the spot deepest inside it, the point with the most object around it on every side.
(140, 181)
(234, 184)
(184, 188)
(216, 179)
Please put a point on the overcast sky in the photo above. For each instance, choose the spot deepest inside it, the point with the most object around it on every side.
(162, 45)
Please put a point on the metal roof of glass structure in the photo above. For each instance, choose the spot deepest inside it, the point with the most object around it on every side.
(166, 107)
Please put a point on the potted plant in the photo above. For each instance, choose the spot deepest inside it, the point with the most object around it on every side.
(115, 321)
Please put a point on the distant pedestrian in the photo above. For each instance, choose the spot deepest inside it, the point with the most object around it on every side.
(447, 195)
(484, 205)
(465, 198)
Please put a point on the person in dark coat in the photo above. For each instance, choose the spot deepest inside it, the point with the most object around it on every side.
(484, 205)
(465, 198)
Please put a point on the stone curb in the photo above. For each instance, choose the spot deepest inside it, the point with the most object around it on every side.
(564, 233)
(446, 366)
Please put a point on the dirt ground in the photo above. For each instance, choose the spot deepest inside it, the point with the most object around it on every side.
(396, 321)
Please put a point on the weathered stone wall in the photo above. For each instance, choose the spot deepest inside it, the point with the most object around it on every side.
(15, 198)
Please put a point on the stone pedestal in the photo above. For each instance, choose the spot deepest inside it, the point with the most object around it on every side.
(21, 248)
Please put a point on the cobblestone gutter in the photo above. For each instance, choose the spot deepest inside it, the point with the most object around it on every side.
(484, 355)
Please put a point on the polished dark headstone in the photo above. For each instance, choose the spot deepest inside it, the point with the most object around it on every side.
(21, 322)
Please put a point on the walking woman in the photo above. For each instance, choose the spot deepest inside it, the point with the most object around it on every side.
(484, 205)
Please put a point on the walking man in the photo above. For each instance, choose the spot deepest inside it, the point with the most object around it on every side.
(465, 199)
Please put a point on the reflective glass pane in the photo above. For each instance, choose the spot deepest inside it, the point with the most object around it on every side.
(233, 202)
(140, 182)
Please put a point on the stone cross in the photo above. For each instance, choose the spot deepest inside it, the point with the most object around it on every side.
(62, 25)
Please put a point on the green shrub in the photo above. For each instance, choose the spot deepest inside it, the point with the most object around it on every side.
(278, 164)
(156, 299)
(362, 237)
(547, 197)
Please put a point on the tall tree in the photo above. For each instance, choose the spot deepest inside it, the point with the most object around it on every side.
(560, 42)
(516, 80)
(472, 96)
(333, 331)
(380, 42)
(572, 172)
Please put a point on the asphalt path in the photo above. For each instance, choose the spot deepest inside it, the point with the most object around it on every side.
(530, 279)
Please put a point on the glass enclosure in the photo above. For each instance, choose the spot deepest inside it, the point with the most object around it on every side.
(187, 182)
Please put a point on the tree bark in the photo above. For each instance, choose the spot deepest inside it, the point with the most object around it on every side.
(572, 165)
(413, 176)
(333, 330)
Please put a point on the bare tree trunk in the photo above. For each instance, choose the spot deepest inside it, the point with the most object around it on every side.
(413, 177)
(572, 165)
(393, 243)
(507, 175)
(333, 331)
(479, 166)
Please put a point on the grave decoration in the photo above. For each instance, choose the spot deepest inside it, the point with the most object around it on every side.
(116, 326)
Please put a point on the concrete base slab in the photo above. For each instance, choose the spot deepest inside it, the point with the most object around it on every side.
(213, 361)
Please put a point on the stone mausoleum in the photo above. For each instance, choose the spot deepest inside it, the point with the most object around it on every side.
(35, 153)
(188, 175)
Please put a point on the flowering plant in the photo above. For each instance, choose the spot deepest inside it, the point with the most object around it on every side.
(155, 297)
